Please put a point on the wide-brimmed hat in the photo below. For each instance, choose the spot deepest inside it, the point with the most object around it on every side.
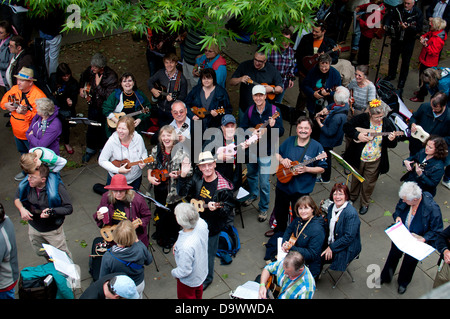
(118, 183)
(205, 158)
(26, 74)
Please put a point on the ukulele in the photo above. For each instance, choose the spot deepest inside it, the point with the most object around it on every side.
(231, 149)
(263, 125)
(87, 93)
(13, 100)
(284, 174)
(119, 163)
(270, 96)
(420, 134)
(200, 205)
(201, 112)
(162, 175)
(113, 124)
(163, 92)
(107, 231)
(310, 61)
(372, 133)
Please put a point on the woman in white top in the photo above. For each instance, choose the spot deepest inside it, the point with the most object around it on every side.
(124, 144)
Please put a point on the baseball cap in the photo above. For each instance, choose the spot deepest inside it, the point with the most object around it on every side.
(228, 118)
(258, 89)
(125, 287)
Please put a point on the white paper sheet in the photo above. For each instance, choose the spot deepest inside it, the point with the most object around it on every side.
(403, 109)
(62, 262)
(241, 193)
(249, 290)
(407, 243)
(280, 253)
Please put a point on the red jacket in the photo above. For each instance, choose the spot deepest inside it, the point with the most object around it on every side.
(429, 56)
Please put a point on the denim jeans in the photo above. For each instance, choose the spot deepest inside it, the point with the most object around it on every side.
(258, 175)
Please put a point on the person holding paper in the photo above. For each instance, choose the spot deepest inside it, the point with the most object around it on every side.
(422, 217)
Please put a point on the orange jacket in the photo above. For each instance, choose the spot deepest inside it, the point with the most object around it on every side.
(21, 122)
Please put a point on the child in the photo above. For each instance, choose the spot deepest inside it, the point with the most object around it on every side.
(36, 156)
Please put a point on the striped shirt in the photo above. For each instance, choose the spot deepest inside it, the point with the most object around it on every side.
(362, 95)
(302, 287)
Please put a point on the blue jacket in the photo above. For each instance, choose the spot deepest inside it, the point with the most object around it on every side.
(347, 237)
(431, 175)
(310, 242)
(309, 85)
(332, 133)
(428, 219)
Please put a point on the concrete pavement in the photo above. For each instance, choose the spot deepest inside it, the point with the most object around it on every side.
(81, 229)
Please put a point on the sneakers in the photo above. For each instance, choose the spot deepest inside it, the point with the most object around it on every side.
(249, 201)
(262, 216)
(20, 176)
(321, 181)
(446, 183)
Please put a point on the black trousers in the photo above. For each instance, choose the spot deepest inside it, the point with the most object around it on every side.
(405, 50)
(406, 270)
(281, 208)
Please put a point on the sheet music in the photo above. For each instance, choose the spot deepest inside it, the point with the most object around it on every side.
(407, 243)
(62, 262)
(403, 109)
(249, 290)
(154, 201)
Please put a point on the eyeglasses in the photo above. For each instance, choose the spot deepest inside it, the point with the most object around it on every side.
(178, 112)
(259, 61)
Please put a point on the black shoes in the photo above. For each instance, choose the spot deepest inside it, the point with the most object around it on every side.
(401, 290)
(363, 210)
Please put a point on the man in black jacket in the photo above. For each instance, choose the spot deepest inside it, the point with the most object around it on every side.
(404, 23)
(208, 187)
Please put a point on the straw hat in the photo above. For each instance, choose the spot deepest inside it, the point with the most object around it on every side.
(205, 158)
(26, 74)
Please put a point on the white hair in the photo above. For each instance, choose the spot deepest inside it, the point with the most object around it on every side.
(186, 215)
(342, 95)
(410, 191)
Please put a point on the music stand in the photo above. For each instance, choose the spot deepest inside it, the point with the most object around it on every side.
(85, 121)
(348, 167)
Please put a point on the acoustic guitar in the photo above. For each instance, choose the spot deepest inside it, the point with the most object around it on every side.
(270, 96)
(284, 174)
(420, 134)
(119, 163)
(164, 92)
(200, 205)
(107, 232)
(372, 133)
(201, 112)
(118, 116)
(273, 290)
(310, 61)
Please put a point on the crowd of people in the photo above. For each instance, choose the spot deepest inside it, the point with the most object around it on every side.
(203, 154)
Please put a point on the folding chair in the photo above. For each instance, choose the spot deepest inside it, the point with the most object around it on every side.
(336, 281)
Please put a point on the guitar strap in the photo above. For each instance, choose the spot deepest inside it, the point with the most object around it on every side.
(176, 88)
(304, 151)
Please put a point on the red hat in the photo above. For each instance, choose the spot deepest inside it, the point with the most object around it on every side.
(118, 183)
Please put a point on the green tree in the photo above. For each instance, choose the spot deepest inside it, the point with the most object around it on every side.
(264, 19)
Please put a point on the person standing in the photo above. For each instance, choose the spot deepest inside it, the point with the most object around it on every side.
(443, 247)
(405, 23)
(9, 265)
(191, 253)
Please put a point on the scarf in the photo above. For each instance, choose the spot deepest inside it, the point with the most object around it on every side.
(335, 213)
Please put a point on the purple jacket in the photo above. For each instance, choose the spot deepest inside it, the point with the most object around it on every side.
(138, 208)
(49, 138)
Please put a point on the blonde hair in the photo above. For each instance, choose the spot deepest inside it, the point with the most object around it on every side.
(438, 24)
(27, 163)
(171, 130)
(129, 122)
(129, 196)
(125, 234)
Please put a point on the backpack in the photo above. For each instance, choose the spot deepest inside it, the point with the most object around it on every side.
(387, 93)
(229, 244)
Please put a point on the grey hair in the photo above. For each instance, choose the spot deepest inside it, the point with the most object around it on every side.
(98, 60)
(410, 191)
(186, 215)
(382, 109)
(179, 102)
(45, 106)
(342, 95)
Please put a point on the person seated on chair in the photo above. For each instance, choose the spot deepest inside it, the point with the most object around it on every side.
(210, 188)
(44, 204)
(344, 239)
(125, 144)
(112, 286)
(164, 175)
(427, 167)
(292, 276)
(422, 216)
(307, 231)
(123, 203)
(129, 255)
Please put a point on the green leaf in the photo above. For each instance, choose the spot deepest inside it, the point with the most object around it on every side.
(387, 213)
